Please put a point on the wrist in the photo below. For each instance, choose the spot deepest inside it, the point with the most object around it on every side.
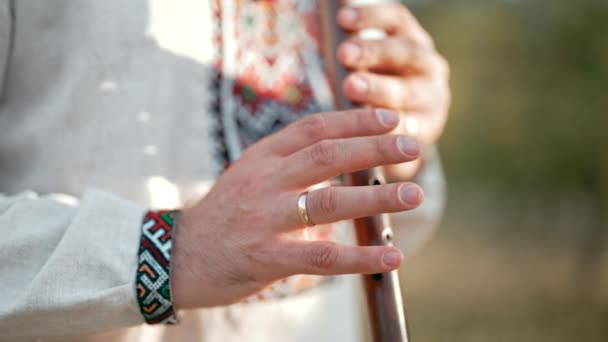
(183, 255)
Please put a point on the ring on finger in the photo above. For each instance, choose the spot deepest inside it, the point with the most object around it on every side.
(302, 211)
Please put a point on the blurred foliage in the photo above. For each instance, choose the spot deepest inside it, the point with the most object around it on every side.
(529, 82)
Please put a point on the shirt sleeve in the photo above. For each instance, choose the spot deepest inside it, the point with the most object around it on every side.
(67, 267)
(413, 228)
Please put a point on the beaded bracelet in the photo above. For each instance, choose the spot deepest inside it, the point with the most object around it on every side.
(153, 278)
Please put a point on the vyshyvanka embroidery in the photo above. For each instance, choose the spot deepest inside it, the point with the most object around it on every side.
(153, 277)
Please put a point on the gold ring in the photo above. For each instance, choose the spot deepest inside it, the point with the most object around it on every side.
(302, 212)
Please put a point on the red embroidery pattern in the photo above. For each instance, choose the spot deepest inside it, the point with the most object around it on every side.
(266, 64)
(153, 279)
(271, 36)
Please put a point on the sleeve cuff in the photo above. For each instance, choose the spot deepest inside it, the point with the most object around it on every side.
(417, 226)
(153, 277)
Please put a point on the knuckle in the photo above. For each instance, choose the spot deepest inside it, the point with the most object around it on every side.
(374, 52)
(362, 122)
(380, 148)
(442, 95)
(403, 13)
(394, 53)
(418, 55)
(420, 96)
(443, 66)
(382, 198)
(370, 154)
(416, 95)
(324, 257)
(386, 198)
(252, 182)
(408, 95)
(435, 64)
(324, 202)
(314, 127)
(425, 38)
(323, 153)
(247, 186)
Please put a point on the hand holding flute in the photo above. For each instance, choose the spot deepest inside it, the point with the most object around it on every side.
(401, 71)
(405, 75)
(383, 76)
(310, 151)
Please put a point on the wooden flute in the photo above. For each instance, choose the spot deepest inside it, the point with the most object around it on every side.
(388, 321)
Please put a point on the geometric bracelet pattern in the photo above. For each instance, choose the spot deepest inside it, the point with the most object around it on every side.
(153, 278)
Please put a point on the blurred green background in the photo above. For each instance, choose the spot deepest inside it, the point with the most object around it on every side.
(521, 252)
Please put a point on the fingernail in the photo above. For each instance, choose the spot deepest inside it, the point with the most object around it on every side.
(350, 52)
(408, 145)
(410, 194)
(360, 85)
(392, 259)
(387, 117)
(348, 16)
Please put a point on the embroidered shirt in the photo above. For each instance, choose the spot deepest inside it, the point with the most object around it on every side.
(136, 98)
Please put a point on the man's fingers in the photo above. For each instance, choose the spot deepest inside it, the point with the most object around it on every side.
(331, 125)
(404, 94)
(330, 158)
(394, 54)
(329, 258)
(335, 204)
(393, 18)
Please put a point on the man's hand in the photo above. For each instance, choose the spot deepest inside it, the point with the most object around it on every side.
(233, 242)
(401, 71)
